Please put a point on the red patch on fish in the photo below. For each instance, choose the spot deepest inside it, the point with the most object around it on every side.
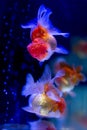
(39, 32)
(38, 49)
(61, 105)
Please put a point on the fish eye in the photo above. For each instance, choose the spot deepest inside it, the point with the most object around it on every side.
(46, 51)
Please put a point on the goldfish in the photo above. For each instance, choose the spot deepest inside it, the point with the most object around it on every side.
(45, 99)
(43, 106)
(42, 125)
(71, 78)
(43, 44)
(81, 49)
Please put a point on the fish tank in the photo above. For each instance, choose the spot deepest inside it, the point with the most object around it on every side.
(43, 46)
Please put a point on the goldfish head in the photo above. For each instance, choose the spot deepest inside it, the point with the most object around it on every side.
(38, 49)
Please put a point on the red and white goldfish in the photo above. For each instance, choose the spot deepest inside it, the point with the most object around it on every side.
(45, 99)
(43, 43)
(42, 125)
(71, 78)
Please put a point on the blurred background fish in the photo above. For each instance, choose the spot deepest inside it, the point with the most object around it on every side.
(71, 78)
(80, 48)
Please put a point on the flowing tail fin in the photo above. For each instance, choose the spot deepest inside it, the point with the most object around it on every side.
(31, 87)
(27, 89)
(43, 16)
(61, 50)
(59, 74)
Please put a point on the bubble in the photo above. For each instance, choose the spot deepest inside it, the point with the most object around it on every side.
(11, 30)
(3, 71)
(5, 35)
(5, 83)
(9, 66)
(7, 102)
(6, 108)
(9, 70)
(2, 52)
(4, 129)
(7, 77)
(10, 34)
(9, 42)
(12, 52)
(13, 93)
(6, 47)
(23, 10)
(11, 119)
(4, 17)
(23, 37)
(6, 92)
(28, 5)
(6, 114)
(5, 58)
(6, 23)
(5, 121)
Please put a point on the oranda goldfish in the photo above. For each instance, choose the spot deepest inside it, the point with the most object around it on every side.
(45, 99)
(71, 78)
(43, 42)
